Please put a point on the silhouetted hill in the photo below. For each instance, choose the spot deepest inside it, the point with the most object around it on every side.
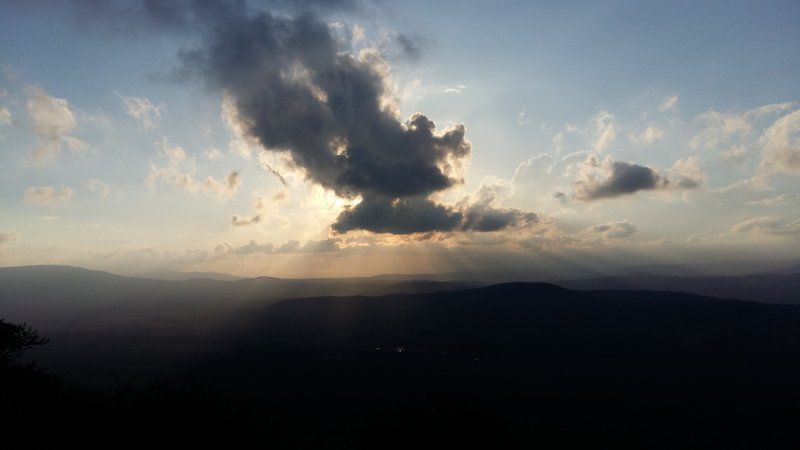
(531, 363)
(766, 288)
(164, 322)
(515, 365)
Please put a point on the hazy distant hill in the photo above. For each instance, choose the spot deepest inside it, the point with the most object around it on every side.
(65, 289)
(766, 288)
(129, 319)
(172, 275)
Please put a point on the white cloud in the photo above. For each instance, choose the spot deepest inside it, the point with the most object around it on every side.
(614, 230)
(457, 89)
(668, 103)
(52, 120)
(48, 196)
(767, 225)
(724, 129)
(174, 154)
(780, 147)
(605, 130)
(779, 200)
(143, 110)
(212, 154)
(179, 172)
(240, 143)
(647, 136)
(5, 116)
(686, 174)
(358, 33)
(224, 188)
(97, 186)
(522, 120)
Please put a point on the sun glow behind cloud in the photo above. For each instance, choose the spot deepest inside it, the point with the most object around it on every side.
(356, 153)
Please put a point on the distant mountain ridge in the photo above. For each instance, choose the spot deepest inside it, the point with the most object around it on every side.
(661, 369)
(765, 288)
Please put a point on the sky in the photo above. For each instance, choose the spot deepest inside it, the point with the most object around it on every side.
(355, 138)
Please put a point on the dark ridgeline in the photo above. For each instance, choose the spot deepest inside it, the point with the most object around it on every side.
(506, 366)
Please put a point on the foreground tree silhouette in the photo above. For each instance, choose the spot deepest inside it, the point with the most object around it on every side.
(39, 410)
(15, 338)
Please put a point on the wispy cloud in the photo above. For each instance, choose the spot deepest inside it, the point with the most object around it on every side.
(51, 120)
(767, 225)
(48, 196)
(142, 110)
(669, 103)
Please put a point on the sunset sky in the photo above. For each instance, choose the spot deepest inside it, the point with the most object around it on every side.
(347, 138)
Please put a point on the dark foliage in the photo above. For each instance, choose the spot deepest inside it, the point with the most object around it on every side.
(15, 338)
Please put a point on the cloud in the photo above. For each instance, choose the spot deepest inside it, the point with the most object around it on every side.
(242, 221)
(252, 247)
(6, 237)
(669, 103)
(457, 89)
(779, 200)
(331, 112)
(731, 129)
(605, 130)
(420, 215)
(292, 87)
(749, 184)
(5, 116)
(51, 120)
(143, 110)
(179, 172)
(410, 48)
(241, 143)
(686, 174)
(404, 215)
(224, 188)
(647, 136)
(614, 230)
(522, 119)
(780, 147)
(327, 111)
(47, 196)
(608, 178)
(484, 215)
(97, 186)
(322, 246)
(212, 154)
(767, 225)
(268, 167)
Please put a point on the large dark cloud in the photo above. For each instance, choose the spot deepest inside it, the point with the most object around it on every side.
(483, 215)
(609, 178)
(296, 90)
(419, 214)
(398, 216)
